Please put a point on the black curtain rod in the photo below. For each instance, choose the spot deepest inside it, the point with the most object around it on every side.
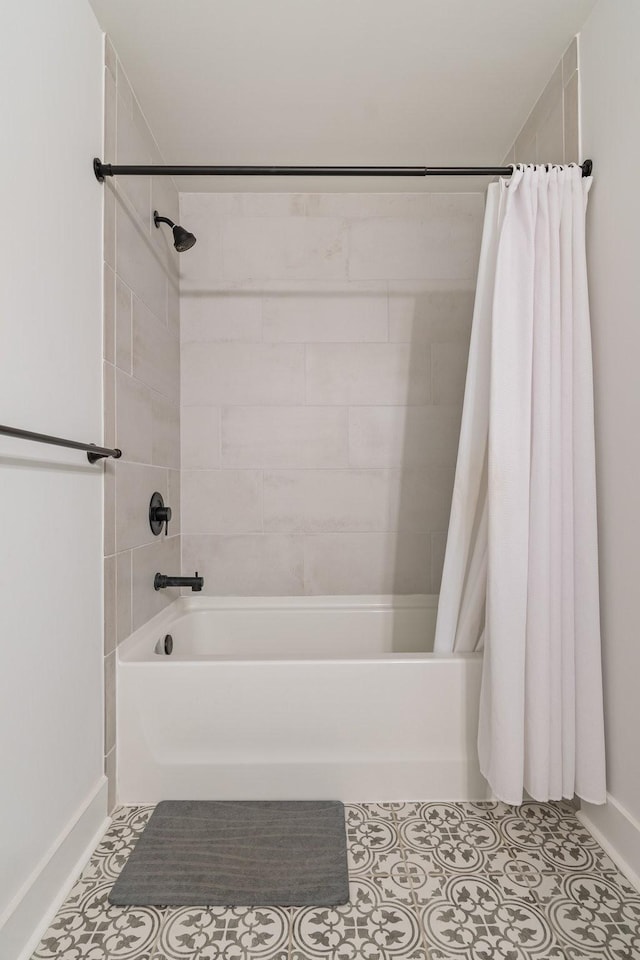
(103, 170)
(94, 453)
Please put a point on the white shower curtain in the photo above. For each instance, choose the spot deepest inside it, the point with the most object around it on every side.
(521, 566)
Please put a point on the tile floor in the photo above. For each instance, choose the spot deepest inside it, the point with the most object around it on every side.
(429, 881)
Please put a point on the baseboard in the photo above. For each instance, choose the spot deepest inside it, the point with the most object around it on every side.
(617, 832)
(35, 905)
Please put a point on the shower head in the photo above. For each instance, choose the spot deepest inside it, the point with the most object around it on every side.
(182, 239)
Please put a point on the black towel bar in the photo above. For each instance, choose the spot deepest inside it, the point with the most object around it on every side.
(94, 452)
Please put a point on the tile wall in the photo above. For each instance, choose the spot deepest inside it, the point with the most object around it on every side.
(141, 380)
(552, 131)
(324, 341)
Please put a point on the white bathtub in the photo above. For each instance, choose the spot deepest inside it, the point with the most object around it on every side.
(296, 698)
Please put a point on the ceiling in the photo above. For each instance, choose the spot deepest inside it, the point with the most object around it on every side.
(425, 82)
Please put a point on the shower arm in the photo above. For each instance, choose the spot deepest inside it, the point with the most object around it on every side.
(158, 219)
(102, 170)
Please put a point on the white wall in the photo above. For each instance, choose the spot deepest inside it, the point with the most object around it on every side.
(50, 381)
(610, 77)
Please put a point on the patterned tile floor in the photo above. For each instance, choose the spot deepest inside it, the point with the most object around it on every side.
(429, 881)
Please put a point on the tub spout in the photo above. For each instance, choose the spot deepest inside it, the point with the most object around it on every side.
(161, 580)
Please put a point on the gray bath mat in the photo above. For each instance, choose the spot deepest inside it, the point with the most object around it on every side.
(238, 853)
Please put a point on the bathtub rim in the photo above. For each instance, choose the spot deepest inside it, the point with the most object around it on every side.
(133, 650)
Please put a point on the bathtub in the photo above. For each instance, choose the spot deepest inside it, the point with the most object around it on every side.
(296, 698)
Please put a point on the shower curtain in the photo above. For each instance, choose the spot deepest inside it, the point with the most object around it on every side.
(521, 567)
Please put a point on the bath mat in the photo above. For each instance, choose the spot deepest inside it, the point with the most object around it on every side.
(238, 853)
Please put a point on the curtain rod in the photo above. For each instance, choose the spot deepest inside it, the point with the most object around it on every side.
(102, 170)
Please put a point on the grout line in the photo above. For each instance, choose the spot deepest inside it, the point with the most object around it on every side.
(304, 363)
(291, 911)
(388, 301)
(416, 906)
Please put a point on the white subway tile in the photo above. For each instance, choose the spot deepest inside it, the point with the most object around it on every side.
(284, 247)
(367, 373)
(109, 403)
(124, 340)
(269, 205)
(109, 702)
(438, 548)
(403, 436)
(204, 264)
(362, 206)
(110, 605)
(137, 263)
(315, 501)
(367, 563)
(200, 437)
(326, 316)
(572, 121)
(132, 148)
(110, 764)
(448, 372)
(443, 245)
(210, 206)
(156, 353)
(123, 593)
(221, 501)
(165, 432)
(134, 418)
(109, 315)
(110, 224)
(109, 507)
(136, 483)
(221, 316)
(243, 373)
(267, 276)
(175, 501)
(284, 437)
(164, 199)
(173, 305)
(420, 498)
(439, 313)
(246, 565)
(161, 556)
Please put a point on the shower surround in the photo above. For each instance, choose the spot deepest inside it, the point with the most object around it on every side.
(324, 340)
(141, 383)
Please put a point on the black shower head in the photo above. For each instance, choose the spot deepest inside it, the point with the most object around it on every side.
(182, 239)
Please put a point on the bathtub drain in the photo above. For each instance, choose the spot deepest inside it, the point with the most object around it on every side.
(164, 646)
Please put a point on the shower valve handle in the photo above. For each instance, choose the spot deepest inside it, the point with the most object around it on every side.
(159, 515)
(163, 515)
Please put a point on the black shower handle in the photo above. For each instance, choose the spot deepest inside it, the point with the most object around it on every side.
(159, 514)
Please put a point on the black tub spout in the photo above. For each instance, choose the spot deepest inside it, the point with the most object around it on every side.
(161, 580)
